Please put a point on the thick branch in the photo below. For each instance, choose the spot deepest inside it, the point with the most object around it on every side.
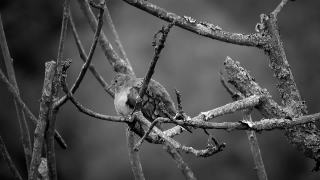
(279, 64)
(202, 28)
(53, 112)
(45, 105)
(26, 142)
(304, 138)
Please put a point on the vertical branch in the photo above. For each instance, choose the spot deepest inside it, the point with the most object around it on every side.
(7, 158)
(255, 148)
(52, 117)
(251, 134)
(45, 105)
(134, 156)
(26, 142)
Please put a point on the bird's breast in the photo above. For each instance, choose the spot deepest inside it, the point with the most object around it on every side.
(120, 103)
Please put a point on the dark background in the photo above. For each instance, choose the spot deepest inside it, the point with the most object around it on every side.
(189, 62)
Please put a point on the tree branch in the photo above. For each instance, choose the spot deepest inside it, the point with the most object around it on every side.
(26, 111)
(53, 112)
(251, 134)
(116, 37)
(7, 158)
(201, 28)
(304, 138)
(118, 64)
(87, 63)
(84, 57)
(255, 150)
(279, 64)
(45, 106)
(26, 142)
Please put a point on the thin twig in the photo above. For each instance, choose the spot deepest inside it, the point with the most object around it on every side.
(26, 142)
(118, 64)
(52, 117)
(84, 57)
(87, 63)
(7, 158)
(279, 7)
(199, 153)
(63, 80)
(45, 105)
(154, 123)
(255, 147)
(26, 110)
(116, 37)
(157, 50)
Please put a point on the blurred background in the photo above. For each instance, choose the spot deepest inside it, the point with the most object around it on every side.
(97, 149)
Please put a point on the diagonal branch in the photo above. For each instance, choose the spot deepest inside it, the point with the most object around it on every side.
(118, 64)
(26, 142)
(6, 157)
(26, 110)
(116, 37)
(298, 136)
(201, 28)
(84, 57)
(87, 63)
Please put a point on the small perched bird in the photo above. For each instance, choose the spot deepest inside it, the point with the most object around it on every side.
(127, 89)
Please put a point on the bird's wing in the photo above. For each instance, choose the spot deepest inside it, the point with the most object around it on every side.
(154, 94)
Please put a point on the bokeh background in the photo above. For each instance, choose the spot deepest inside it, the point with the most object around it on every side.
(189, 62)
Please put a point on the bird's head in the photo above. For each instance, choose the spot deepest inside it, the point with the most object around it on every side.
(120, 80)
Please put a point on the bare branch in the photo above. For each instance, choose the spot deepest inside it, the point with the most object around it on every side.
(82, 109)
(199, 153)
(280, 6)
(52, 117)
(155, 122)
(251, 134)
(255, 147)
(87, 63)
(84, 57)
(45, 105)
(157, 50)
(298, 136)
(134, 156)
(26, 111)
(26, 142)
(183, 166)
(118, 64)
(7, 158)
(201, 28)
(116, 37)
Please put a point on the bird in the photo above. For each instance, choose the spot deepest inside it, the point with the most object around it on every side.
(127, 90)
